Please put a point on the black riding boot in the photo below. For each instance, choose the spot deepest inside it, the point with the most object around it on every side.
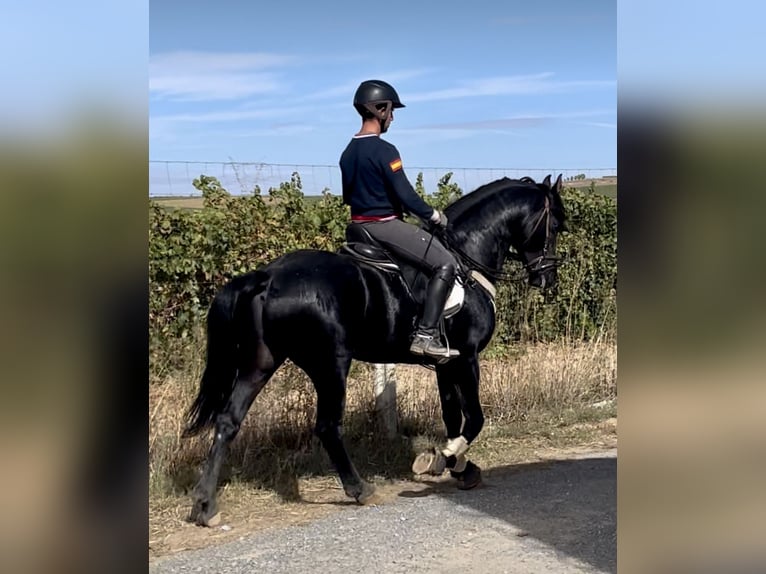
(426, 340)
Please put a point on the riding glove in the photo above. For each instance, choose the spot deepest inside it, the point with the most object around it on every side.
(439, 218)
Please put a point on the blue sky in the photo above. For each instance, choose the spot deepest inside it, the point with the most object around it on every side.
(486, 84)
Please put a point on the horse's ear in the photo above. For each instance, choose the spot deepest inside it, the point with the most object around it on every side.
(547, 181)
(557, 186)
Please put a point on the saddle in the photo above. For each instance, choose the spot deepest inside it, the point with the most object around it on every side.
(363, 247)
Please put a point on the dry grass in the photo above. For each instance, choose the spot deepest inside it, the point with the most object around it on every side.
(539, 400)
(545, 377)
(547, 385)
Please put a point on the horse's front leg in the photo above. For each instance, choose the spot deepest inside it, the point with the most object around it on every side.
(458, 383)
(466, 472)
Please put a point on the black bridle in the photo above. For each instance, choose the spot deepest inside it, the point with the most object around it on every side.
(542, 262)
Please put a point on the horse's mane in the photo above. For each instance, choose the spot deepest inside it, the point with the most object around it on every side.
(469, 201)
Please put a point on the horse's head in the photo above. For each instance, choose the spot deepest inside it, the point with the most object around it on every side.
(520, 219)
(537, 250)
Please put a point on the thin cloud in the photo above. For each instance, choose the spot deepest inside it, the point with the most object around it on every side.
(502, 123)
(202, 76)
(347, 89)
(599, 124)
(214, 86)
(234, 115)
(523, 121)
(542, 83)
(257, 111)
(422, 137)
(204, 62)
(277, 130)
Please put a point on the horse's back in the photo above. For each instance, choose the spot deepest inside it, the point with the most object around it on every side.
(320, 300)
(319, 278)
(312, 297)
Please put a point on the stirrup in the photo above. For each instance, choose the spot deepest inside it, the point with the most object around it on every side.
(422, 347)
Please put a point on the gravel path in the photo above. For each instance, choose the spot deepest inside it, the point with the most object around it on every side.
(546, 517)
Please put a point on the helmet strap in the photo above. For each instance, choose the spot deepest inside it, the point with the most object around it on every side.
(383, 114)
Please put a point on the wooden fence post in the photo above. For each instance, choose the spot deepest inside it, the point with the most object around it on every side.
(385, 399)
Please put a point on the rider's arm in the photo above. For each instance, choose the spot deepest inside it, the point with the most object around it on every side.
(394, 174)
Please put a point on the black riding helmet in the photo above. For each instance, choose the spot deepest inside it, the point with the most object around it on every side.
(376, 98)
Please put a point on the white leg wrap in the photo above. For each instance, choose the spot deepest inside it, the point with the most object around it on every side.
(457, 446)
(461, 463)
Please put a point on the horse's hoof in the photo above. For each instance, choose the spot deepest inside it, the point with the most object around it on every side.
(468, 478)
(204, 514)
(429, 462)
(367, 494)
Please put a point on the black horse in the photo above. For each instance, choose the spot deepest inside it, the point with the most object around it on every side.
(321, 310)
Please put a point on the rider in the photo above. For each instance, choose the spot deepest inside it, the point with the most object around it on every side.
(379, 193)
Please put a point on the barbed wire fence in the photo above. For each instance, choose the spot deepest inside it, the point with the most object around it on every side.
(174, 178)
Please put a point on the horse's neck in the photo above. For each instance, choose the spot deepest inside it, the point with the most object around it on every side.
(488, 239)
(487, 245)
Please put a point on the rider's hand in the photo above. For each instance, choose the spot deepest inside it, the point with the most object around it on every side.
(438, 218)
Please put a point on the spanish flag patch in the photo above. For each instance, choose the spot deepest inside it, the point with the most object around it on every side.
(395, 165)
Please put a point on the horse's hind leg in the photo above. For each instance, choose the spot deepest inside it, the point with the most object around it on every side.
(227, 424)
(329, 378)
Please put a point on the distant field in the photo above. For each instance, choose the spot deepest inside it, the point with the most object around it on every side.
(607, 189)
(183, 202)
(606, 186)
(196, 202)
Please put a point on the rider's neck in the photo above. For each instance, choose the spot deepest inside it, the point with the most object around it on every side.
(369, 127)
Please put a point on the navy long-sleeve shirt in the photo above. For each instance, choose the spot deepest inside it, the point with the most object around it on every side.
(374, 183)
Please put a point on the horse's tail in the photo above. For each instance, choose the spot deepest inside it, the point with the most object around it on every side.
(221, 369)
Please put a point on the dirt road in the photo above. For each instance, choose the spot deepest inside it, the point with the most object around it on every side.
(557, 516)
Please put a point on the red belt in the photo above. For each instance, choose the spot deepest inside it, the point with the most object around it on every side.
(365, 218)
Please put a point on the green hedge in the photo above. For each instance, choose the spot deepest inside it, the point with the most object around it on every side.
(192, 252)
(583, 306)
